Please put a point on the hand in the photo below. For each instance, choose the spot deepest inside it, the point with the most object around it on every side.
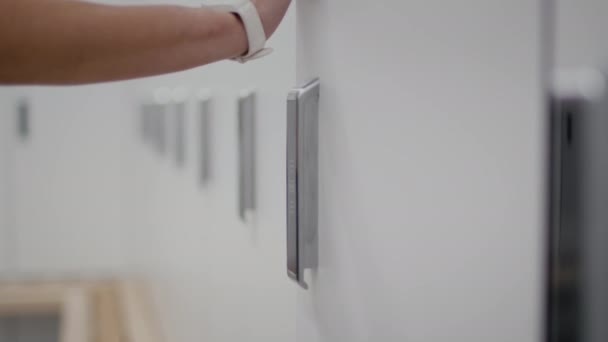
(272, 13)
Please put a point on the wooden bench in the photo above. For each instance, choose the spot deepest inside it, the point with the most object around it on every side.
(88, 311)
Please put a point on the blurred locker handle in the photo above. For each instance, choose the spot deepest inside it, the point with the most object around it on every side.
(205, 135)
(23, 119)
(246, 146)
(180, 132)
(302, 180)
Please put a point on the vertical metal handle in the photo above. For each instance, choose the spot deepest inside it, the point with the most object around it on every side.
(246, 145)
(23, 119)
(302, 180)
(157, 127)
(205, 139)
(180, 133)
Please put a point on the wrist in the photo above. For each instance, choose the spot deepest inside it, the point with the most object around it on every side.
(237, 34)
(246, 15)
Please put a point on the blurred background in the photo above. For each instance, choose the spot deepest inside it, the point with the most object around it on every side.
(85, 195)
(123, 197)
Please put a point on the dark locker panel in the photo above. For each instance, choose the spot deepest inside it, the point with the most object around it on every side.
(579, 209)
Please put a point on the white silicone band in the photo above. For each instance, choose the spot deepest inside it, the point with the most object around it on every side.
(256, 36)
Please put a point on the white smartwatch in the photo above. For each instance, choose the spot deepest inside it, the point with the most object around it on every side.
(256, 36)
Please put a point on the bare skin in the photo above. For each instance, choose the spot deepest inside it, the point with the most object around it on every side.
(75, 42)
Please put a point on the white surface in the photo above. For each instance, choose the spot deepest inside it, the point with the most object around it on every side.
(431, 195)
(67, 181)
(582, 28)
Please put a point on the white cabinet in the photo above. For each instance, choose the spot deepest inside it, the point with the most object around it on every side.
(65, 180)
(432, 151)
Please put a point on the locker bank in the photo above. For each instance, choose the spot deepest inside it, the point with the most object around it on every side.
(304, 171)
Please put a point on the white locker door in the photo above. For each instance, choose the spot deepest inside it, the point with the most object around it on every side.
(66, 181)
(432, 157)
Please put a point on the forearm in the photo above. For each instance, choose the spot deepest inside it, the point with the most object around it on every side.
(70, 42)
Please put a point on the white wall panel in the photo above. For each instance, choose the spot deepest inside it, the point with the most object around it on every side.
(432, 130)
(581, 33)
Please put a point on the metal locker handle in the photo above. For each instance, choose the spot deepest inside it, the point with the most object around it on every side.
(205, 139)
(23, 119)
(246, 145)
(159, 130)
(180, 133)
(302, 180)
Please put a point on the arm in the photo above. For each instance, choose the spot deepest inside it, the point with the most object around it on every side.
(72, 42)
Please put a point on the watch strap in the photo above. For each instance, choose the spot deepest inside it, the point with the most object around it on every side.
(256, 36)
